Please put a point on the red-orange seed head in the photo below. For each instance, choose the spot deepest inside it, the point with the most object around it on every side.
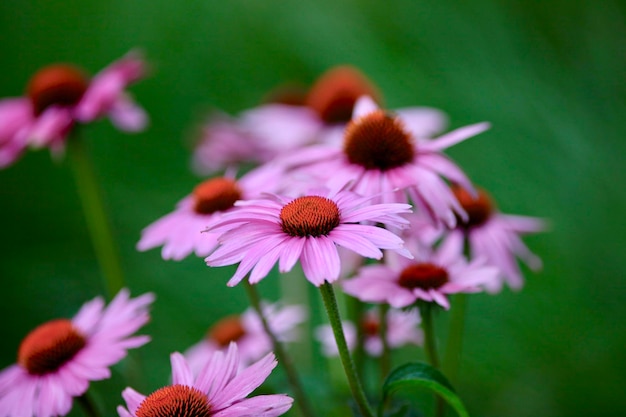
(58, 84)
(175, 401)
(478, 209)
(378, 141)
(50, 346)
(423, 275)
(309, 216)
(216, 194)
(229, 329)
(334, 93)
(370, 326)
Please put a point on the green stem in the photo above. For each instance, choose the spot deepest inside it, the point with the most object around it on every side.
(430, 347)
(95, 216)
(430, 342)
(281, 354)
(454, 347)
(330, 302)
(356, 312)
(385, 357)
(87, 405)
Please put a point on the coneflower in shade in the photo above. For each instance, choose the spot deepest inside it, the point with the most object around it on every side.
(402, 329)
(181, 232)
(219, 390)
(388, 155)
(58, 359)
(496, 237)
(288, 120)
(430, 277)
(247, 331)
(61, 95)
(260, 233)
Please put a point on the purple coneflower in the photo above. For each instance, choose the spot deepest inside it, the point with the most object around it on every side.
(181, 231)
(401, 282)
(390, 155)
(59, 96)
(58, 359)
(285, 123)
(247, 331)
(219, 390)
(260, 233)
(496, 237)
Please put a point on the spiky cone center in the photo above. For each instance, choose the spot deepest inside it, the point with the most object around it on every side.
(216, 194)
(175, 401)
(425, 276)
(378, 141)
(478, 209)
(59, 84)
(309, 216)
(334, 93)
(50, 346)
(228, 329)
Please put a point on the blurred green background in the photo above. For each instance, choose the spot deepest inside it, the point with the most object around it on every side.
(549, 75)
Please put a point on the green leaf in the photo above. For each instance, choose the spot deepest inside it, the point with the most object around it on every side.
(421, 375)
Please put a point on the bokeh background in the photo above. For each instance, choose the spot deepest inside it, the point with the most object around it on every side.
(549, 75)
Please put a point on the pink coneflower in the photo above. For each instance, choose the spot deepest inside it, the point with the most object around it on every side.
(496, 237)
(58, 359)
(290, 121)
(181, 232)
(61, 95)
(283, 124)
(400, 282)
(388, 155)
(248, 332)
(219, 390)
(402, 329)
(260, 233)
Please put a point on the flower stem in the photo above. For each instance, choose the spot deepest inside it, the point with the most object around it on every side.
(385, 357)
(430, 343)
(452, 356)
(330, 302)
(95, 216)
(88, 406)
(283, 357)
(430, 347)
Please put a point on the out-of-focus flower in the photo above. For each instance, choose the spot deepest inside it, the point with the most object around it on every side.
(290, 121)
(496, 237)
(58, 359)
(248, 332)
(256, 136)
(260, 233)
(181, 232)
(391, 156)
(400, 282)
(219, 390)
(61, 95)
(402, 329)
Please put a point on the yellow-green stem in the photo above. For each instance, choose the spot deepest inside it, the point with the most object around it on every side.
(330, 302)
(385, 356)
(283, 357)
(454, 346)
(95, 216)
